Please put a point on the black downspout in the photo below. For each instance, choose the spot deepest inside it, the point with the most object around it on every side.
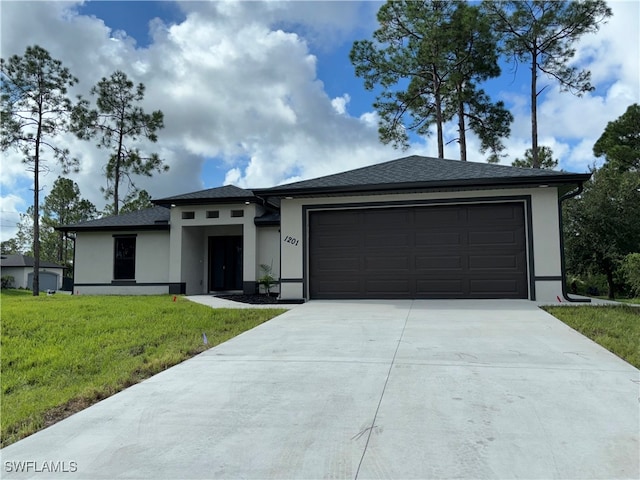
(73, 284)
(563, 271)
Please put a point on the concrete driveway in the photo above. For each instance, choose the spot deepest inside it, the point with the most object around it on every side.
(366, 389)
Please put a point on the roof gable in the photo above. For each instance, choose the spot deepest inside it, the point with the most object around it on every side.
(225, 194)
(154, 218)
(18, 260)
(413, 173)
(416, 171)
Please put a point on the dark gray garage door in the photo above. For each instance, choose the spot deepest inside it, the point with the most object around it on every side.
(452, 251)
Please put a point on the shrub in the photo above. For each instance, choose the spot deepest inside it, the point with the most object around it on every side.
(8, 281)
(631, 269)
(267, 280)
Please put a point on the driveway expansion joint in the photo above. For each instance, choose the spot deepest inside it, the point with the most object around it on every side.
(384, 387)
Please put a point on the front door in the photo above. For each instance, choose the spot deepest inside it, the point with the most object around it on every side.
(225, 263)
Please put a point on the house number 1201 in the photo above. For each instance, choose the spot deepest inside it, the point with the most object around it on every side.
(291, 240)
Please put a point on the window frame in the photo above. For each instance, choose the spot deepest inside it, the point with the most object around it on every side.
(120, 272)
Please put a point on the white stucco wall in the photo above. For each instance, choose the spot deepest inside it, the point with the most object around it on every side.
(94, 263)
(193, 248)
(188, 258)
(19, 275)
(545, 231)
(269, 251)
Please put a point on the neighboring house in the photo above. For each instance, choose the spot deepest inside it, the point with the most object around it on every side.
(20, 267)
(415, 227)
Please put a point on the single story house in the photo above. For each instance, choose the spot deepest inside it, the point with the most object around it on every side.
(20, 267)
(415, 227)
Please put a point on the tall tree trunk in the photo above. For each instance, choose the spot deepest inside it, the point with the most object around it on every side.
(534, 110)
(36, 231)
(36, 214)
(461, 126)
(117, 169)
(439, 116)
(115, 187)
(611, 294)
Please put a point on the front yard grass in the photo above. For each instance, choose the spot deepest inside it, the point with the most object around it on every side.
(634, 300)
(616, 328)
(61, 353)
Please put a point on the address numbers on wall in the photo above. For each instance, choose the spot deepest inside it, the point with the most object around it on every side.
(291, 240)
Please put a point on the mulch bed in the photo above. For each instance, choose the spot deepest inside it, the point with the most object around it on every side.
(252, 299)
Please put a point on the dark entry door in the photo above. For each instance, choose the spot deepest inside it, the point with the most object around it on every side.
(225, 263)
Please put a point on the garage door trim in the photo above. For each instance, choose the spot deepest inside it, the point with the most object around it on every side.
(528, 224)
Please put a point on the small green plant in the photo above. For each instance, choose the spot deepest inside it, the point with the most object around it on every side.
(267, 280)
(7, 281)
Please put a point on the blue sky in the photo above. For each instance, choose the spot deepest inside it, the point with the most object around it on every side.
(260, 93)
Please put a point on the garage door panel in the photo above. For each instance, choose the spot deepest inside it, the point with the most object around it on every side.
(496, 237)
(384, 287)
(346, 218)
(344, 288)
(494, 213)
(504, 287)
(452, 251)
(338, 241)
(446, 262)
(440, 288)
(340, 264)
(392, 217)
(386, 263)
(387, 240)
(436, 238)
(439, 216)
(493, 262)
(47, 281)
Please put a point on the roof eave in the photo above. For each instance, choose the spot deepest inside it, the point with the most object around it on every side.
(112, 228)
(266, 223)
(205, 201)
(516, 182)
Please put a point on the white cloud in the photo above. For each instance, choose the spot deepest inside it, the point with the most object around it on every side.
(237, 82)
(339, 104)
(233, 89)
(571, 125)
(10, 207)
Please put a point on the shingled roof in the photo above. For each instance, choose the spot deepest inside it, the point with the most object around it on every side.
(226, 194)
(416, 172)
(17, 260)
(154, 218)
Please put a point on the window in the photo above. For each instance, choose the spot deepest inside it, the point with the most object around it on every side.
(124, 258)
(237, 213)
(188, 215)
(213, 214)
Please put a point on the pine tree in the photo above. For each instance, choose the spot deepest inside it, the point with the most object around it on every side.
(35, 110)
(119, 124)
(542, 34)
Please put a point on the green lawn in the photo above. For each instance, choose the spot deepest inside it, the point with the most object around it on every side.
(62, 353)
(616, 328)
(634, 301)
